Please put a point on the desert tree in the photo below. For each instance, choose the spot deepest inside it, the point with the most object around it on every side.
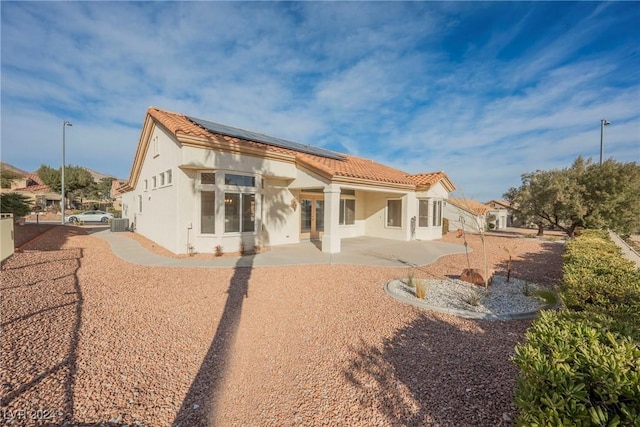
(582, 195)
(17, 204)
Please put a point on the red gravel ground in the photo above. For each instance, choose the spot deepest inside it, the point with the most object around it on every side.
(89, 339)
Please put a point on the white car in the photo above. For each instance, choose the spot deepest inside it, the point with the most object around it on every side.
(90, 216)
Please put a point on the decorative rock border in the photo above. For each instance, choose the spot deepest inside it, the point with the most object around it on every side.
(391, 289)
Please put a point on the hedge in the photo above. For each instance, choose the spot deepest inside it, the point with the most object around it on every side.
(581, 366)
(597, 278)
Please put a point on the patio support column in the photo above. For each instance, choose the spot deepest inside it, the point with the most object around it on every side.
(411, 212)
(331, 236)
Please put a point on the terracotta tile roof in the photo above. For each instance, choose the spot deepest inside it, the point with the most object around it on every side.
(349, 167)
(497, 204)
(34, 177)
(469, 205)
(426, 178)
(34, 184)
(355, 167)
(179, 123)
(430, 178)
(35, 188)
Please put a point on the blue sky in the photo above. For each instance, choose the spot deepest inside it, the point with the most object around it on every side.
(484, 91)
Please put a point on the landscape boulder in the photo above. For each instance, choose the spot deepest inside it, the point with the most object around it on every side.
(472, 275)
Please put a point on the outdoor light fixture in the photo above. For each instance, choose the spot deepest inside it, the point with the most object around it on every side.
(62, 206)
(603, 123)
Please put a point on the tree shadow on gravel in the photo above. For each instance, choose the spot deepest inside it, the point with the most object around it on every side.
(433, 372)
(40, 338)
(543, 267)
(201, 402)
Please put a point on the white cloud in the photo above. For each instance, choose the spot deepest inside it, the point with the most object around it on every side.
(473, 89)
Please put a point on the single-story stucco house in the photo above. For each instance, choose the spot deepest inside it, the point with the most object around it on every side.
(196, 185)
(466, 214)
(499, 214)
(38, 193)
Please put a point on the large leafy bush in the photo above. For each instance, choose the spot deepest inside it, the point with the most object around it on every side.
(581, 366)
(575, 371)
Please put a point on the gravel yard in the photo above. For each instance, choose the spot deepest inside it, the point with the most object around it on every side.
(89, 339)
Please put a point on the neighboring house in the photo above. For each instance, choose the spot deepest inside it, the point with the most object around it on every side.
(499, 214)
(114, 194)
(467, 214)
(31, 186)
(196, 184)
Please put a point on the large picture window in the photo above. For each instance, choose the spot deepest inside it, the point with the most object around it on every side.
(347, 212)
(437, 213)
(207, 212)
(423, 213)
(239, 212)
(394, 213)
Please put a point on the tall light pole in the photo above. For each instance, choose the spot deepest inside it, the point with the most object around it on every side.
(603, 123)
(62, 204)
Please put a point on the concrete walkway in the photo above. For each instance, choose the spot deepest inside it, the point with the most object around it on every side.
(627, 251)
(358, 250)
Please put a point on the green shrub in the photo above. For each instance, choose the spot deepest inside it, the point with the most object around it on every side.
(581, 366)
(597, 278)
(578, 369)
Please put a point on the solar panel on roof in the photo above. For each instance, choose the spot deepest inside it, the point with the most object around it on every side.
(265, 139)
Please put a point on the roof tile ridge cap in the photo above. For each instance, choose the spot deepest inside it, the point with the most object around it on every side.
(427, 173)
(174, 119)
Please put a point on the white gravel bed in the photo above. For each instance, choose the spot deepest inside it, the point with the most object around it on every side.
(89, 339)
(503, 298)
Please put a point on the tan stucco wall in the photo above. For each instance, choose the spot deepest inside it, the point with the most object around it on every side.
(7, 243)
(171, 214)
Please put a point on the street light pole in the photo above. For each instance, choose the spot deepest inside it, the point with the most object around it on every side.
(62, 204)
(603, 123)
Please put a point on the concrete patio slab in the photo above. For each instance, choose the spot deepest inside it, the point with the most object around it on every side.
(358, 250)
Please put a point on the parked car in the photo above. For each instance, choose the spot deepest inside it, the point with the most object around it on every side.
(90, 216)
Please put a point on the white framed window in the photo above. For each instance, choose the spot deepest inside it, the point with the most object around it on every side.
(161, 179)
(207, 212)
(239, 212)
(437, 213)
(423, 213)
(146, 184)
(239, 203)
(168, 175)
(239, 180)
(154, 182)
(207, 191)
(139, 203)
(156, 149)
(347, 212)
(394, 213)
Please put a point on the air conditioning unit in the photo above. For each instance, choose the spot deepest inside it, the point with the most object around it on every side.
(119, 224)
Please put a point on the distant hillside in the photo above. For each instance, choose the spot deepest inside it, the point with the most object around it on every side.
(7, 166)
(97, 176)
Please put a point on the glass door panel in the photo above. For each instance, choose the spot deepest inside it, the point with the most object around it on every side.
(319, 213)
(305, 216)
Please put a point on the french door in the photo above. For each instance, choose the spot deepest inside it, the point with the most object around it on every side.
(311, 216)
